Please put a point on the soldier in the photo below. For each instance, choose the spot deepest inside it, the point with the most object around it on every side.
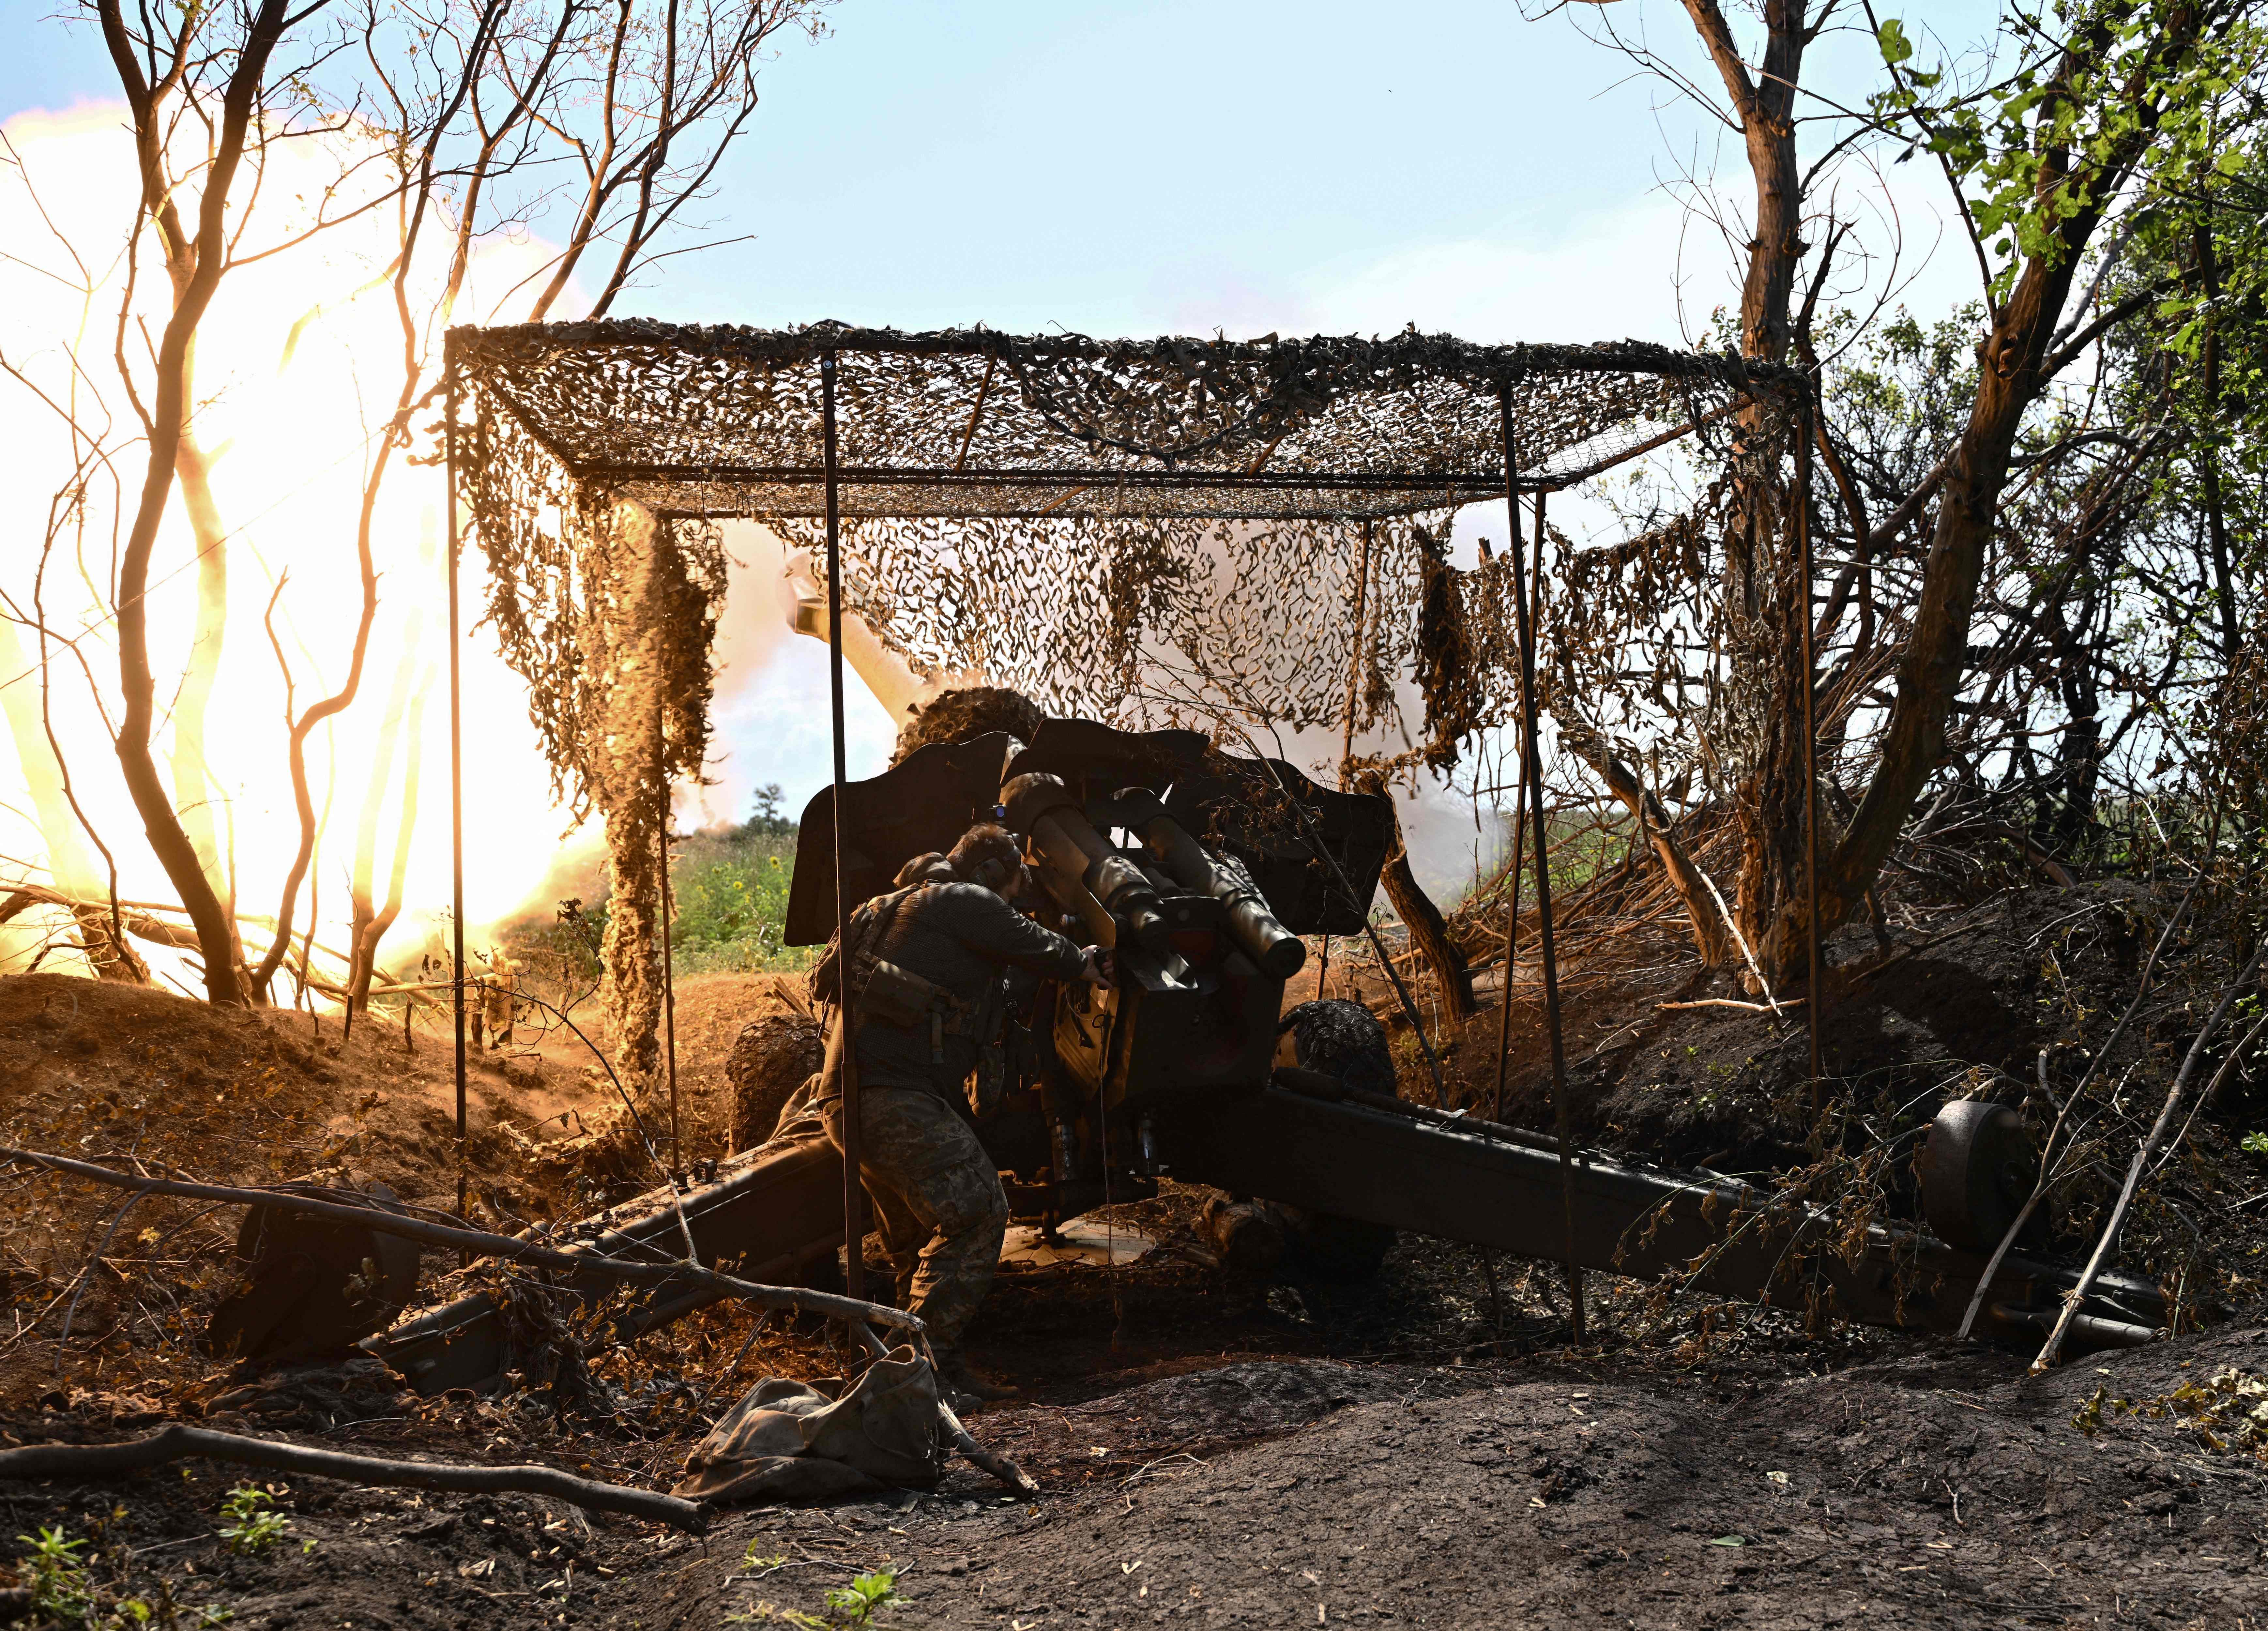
(924, 958)
(496, 989)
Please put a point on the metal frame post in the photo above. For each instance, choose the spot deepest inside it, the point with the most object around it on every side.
(1532, 770)
(1531, 592)
(669, 982)
(854, 1194)
(456, 780)
(1346, 746)
(1804, 423)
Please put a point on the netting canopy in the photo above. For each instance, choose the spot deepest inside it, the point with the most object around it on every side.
(1134, 530)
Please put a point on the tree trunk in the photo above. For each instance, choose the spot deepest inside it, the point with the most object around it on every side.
(192, 785)
(304, 727)
(1428, 932)
(1762, 596)
(365, 956)
(364, 913)
(169, 406)
(1710, 934)
(1929, 676)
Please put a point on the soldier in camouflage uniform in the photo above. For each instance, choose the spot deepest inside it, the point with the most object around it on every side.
(919, 1155)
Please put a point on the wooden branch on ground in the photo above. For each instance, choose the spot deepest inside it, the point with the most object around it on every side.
(2051, 1349)
(483, 1243)
(998, 1465)
(1786, 1003)
(175, 1442)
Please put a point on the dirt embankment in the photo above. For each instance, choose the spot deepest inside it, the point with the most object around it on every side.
(1920, 1488)
(1421, 1448)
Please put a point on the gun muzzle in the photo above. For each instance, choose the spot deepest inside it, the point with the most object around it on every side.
(1083, 866)
(1278, 953)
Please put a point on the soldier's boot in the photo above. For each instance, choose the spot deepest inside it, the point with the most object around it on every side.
(960, 1383)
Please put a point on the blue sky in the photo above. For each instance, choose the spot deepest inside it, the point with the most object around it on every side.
(1141, 166)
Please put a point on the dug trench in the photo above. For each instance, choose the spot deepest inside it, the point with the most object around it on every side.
(1426, 1446)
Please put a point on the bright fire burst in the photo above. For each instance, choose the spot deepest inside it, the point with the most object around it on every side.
(298, 361)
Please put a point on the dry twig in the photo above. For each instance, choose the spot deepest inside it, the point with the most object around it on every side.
(388, 1222)
(176, 1441)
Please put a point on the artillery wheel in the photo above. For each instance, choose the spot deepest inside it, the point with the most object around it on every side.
(1342, 1039)
(1976, 1169)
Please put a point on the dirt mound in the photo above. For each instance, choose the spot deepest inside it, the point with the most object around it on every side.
(1933, 1487)
(712, 1011)
(1929, 1487)
(1680, 1065)
(115, 1072)
(246, 1095)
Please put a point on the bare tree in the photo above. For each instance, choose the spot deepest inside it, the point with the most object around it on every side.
(459, 119)
(2039, 147)
(216, 62)
(647, 102)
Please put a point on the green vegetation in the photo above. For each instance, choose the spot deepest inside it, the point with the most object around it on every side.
(867, 1595)
(848, 1607)
(63, 1592)
(729, 889)
(56, 1576)
(729, 886)
(254, 1525)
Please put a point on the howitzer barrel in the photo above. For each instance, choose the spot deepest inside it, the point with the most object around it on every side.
(1279, 953)
(1087, 868)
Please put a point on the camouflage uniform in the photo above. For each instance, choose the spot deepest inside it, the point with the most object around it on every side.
(932, 1181)
(931, 1178)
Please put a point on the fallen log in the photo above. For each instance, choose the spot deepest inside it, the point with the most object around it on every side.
(176, 1442)
(486, 1245)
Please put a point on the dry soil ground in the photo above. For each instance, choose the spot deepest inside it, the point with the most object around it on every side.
(1425, 1447)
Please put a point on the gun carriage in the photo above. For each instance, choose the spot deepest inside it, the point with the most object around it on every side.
(1202, 869)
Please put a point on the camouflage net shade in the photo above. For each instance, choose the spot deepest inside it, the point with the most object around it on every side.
(1141, 532)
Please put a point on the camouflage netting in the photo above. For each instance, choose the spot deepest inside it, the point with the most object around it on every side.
(1147, 532)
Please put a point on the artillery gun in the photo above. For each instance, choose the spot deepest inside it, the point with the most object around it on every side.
(1201, 870)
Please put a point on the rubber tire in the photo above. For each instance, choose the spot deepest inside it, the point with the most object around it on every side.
(1978, 1167)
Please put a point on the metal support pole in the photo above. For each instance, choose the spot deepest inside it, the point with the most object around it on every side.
(1803, 423)
(1532, 770)
(854, 1194)
(669, 985)
(456, 784)
(1533, 591)
(1346, 746)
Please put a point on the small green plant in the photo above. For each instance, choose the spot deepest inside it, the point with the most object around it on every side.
(867, 1594)
(254, 1525)
(750, 1560)
(2256, 1143)
(57, 1574)
(848, 1607)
